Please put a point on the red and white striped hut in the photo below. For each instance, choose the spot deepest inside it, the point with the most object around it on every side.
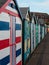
(10, 33)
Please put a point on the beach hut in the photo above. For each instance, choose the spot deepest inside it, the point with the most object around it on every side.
(10, 33)
(33, 42)
(42, 28)
(25, 13)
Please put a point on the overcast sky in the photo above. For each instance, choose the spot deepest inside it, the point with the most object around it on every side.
(35, 5)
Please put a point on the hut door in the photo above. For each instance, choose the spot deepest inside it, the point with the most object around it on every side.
(32, 37)
(39, 33)
(13, 46)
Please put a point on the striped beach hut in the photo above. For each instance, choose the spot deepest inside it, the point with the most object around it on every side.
(10, 33)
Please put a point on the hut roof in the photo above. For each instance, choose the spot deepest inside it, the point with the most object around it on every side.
(23, 11)
(2, 2)
(40, 15)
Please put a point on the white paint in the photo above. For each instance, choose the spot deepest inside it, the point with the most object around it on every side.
(11, 9)
(34, 37)
(18, 46)
(4, 17)
(4, 52)
(18, 33)
(4, 35)
(8, 64)
(32, 20)
(18, 20)
(18, 59)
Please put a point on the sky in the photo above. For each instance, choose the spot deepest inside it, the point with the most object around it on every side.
(35, 5)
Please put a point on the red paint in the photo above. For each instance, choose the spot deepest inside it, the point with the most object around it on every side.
(12, 44)
(20, 63)
(10, 12)
(4, 44)
(3, 7)
(18, 39)
(8, 1)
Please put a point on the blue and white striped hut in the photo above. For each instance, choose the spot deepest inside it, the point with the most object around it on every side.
(10, 33)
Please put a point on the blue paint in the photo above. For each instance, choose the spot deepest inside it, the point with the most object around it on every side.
(5, 60)
(4, 25)
(18, 52)
(18, 26)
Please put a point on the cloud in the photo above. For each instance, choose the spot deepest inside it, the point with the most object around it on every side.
(42, 6)
(29, 3)
(45, 3)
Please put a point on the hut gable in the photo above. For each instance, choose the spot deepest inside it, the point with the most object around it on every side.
(25, 13)
(33, 17)
(42, 17)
